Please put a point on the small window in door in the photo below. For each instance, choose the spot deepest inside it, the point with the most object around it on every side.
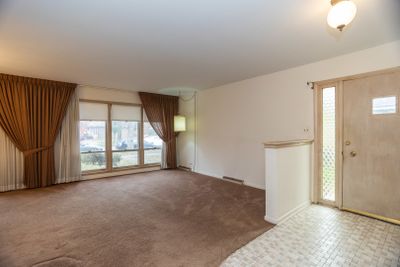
(384, 105)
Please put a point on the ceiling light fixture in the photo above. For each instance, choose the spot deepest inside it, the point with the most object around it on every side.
(341, 14)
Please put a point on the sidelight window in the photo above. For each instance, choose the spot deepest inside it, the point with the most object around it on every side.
(328, 143)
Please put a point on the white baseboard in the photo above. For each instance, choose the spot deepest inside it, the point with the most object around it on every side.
(254, 185)
(208, 174)
(220, 177)
(288, 214)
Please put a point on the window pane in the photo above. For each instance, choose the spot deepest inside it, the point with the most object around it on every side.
(93, 139)
(126, 113)
(384, 105)
(125, 135)
(124, 159)
(152, 156)
(152, 145)
(93, 161)
(328, 144)
(92, 136)
(93, 111)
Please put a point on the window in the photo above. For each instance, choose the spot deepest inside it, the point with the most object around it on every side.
(111, 137)
(328, 143)
(384, 105)
(93, 126)
(125, 135)
(93, 145)
(152, 145)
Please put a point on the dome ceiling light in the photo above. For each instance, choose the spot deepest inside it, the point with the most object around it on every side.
(341, 14)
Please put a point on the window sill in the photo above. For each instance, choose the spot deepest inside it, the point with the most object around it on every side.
(88, 175)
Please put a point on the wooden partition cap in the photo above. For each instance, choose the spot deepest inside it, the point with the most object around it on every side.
(288, 143)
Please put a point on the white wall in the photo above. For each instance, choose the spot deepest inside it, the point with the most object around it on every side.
(235, 119)
(287, 189)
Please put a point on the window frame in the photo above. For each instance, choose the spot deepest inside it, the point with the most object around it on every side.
(109, 151)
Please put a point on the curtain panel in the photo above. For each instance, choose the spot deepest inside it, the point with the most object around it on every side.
(11, 165)
(160, 111)
(66, 148)
(66, 153)
(31, 113)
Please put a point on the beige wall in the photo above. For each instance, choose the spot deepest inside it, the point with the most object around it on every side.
(107, 94)
(235, 119)
(186, 140)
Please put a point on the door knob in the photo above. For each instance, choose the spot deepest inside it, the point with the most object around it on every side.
(353, 154)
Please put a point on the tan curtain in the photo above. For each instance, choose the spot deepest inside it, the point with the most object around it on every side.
(66, 148)
(160, 111)
(31, 112)
(11, 165)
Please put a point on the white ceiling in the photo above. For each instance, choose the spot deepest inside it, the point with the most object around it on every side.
(152, 44)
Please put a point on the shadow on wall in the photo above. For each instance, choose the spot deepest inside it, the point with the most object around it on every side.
(3, 6)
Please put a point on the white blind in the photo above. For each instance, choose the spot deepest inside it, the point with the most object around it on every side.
(93, 111)
(125, 113)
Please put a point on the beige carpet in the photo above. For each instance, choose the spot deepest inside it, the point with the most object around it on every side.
(164, 218)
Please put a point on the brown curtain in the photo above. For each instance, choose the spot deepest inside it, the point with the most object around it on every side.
(31, 112)
(160, 111)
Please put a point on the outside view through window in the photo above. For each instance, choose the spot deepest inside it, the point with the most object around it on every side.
(125, 141)
(93, 145)
(152, 145)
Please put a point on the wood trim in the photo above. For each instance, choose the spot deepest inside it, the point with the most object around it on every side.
(317, 147)
(120, 169)
(379, 217)
(317, 190)
(108, 139)
(289, 143)
(109, 102)
(358, 76)
(141, 138)
(339, 144)
(92, 176)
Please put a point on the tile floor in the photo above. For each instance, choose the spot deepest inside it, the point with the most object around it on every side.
(322, 236)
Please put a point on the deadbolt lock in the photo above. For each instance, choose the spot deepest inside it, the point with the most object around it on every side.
(353, 153)
(347, 143)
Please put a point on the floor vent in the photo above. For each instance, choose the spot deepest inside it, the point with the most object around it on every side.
(233, 180)
(184, 168)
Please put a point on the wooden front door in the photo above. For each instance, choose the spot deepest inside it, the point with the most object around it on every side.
(371, 145)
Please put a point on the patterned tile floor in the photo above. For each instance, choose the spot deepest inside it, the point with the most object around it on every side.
(321, 236)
